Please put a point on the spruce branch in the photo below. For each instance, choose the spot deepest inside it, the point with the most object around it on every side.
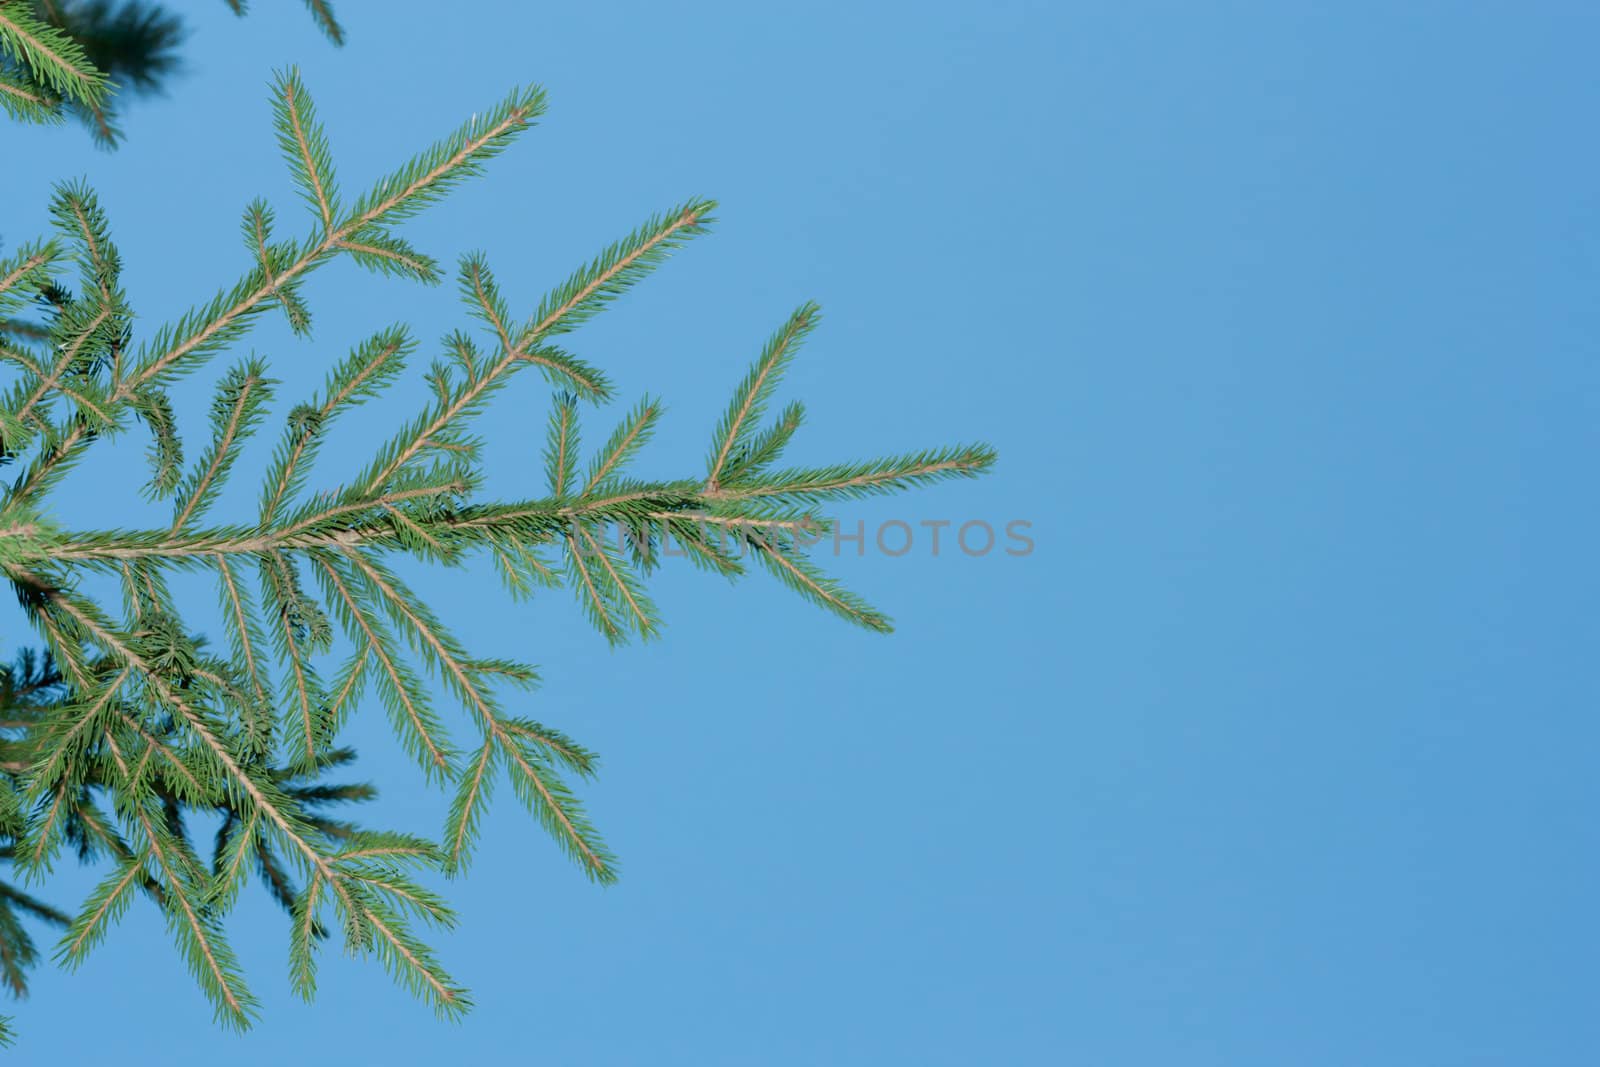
(55, 60)
(105, 905)
(461, 825)
(145, 717)
(625, 442)
(765, 447)
(245, 631)
(237, 408)
(23, 274)
(360, 377)
(415, 721)
(852, 480)
(81, 56)
(321, 12)
(750, 400)
(305, 145)
(27, 104)
(422, 181)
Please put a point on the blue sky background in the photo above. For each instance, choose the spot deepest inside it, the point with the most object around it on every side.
(1280, 746)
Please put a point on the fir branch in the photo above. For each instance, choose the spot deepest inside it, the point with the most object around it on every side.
(210, 958)
(262, 794)
(765, 447)
(622, 585)
(797, 573)
(257, 229)
(296, 620)
(626, 440)
(371, 366)
(864, 479)
(105, 905)
(78, 212)
(388, 254)
(25, 103)
(349, 691)
(561, 747)
(16, 952)
(434, 172)
(237, 843)
(544, 792)
(616, 270)
(69, 730)
(81, 332)
(193, 788)
(555, 806)
(322, 14)
(234, 412)
(422, 732)
(410, 961)
(461, 826)
(750, 399)
(589, 593)
(521, 569)
(302, 946)
(423, 181)
(390, 884)
(23, 273)
(305, 145)
(149, 718)
(483, 298)
(245, 633)
(55, 60)
(12, 897)
(166, 451)
(561, 449)
(388, 846)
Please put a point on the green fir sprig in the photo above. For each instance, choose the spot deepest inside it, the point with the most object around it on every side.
(136, 723)
(75, 57)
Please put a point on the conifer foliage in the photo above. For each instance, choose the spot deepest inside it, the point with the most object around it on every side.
(131, 724)
(61, 57)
